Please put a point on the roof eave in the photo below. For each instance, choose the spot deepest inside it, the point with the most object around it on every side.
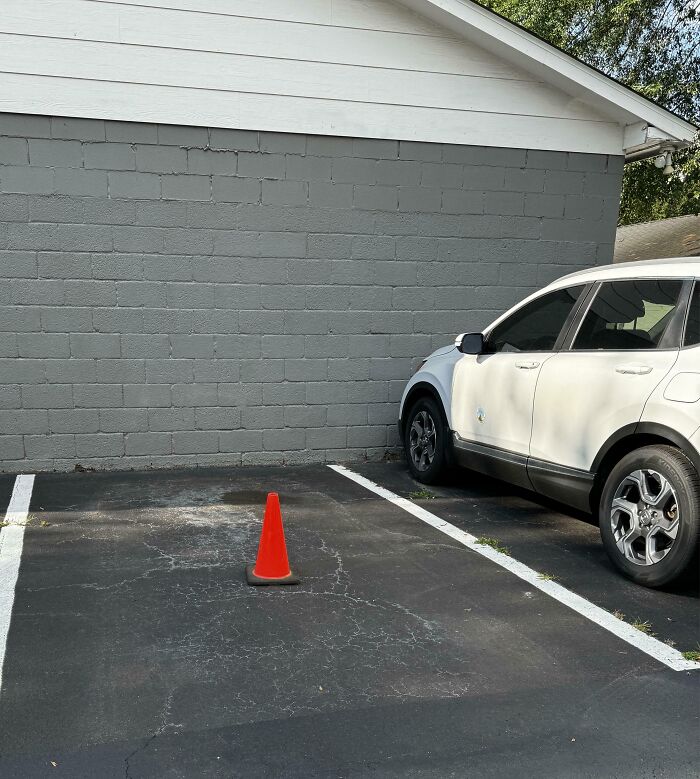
(472, 21)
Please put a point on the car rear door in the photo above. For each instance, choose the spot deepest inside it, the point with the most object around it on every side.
(627, 342)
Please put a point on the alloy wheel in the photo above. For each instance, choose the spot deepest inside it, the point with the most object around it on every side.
(644, 516)
(422, 439)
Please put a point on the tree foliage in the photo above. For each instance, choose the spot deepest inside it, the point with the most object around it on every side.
(652, 46)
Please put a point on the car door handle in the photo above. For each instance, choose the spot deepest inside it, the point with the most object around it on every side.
(527, 365)
(635, 370)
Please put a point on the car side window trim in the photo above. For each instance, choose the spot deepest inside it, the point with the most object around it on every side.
(674, 331)
(694, 285)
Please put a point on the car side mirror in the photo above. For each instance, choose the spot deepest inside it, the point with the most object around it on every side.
(472, 343)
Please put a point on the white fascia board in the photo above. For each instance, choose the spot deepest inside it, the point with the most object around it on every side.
(472, 21)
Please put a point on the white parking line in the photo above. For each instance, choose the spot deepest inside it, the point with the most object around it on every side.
(652, 646)
(11, 543)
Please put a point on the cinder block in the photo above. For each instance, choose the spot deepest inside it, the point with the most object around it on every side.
(73, 421)
(39, 447)
(50, 208)
(195, 442)
(501, 203)
(485, 177)
(78, 129)
(186, 187)
(169, 371)
(329, 246)
(233, 140)
(212, 162)
(97, 395)
(25, 125)
(238, 394)
(283, 440)
(419, 199)
(138, 239)
(604, 184)
(348, 369)
(347, 414)
(55, 154)
(90, 293)
(558, 182)
(308, 168)
(270, 166)
(115, 371)
(261, 321)
(372, 435)
(330, 195)
(585, 207)
(194, 394)
(304, 416)
(42, 292)
(217, 418)
(232, 189)
(524, 180)
(117, 212)
(142, 346)
(284, 193)
(427, 152)
(131, 132)
(543, 205)
(81, 183)
(13, 151)
(11, 447)
(10, 396)
(190, 294)
(328, 146)
(170, 419)
(47, 396)
(398, 172)
(15, 208)
(20, 319)
(21, 421)
(353, 170)
(375, 148)
(98, 345)
(282, 143)
(284, 393)
(20, 265)
(27, 180)
(99, 445)
(159, 214)
(240, 441)
(117, 267)
(147, 395)
(280, 346)
(188, 241)
(137, 185)
(375, 198)
(148, 443)
(150, 294)
(109, 156)
(167, 267)
(38, 345)
(8, 345)
(71, 371)
(123, 420)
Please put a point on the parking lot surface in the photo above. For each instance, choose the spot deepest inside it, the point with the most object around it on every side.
(137, 649)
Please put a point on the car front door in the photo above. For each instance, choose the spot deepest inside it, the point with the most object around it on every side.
(627, 342)
(493, 393)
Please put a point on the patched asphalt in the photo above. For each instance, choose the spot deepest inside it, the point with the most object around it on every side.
(137, 649)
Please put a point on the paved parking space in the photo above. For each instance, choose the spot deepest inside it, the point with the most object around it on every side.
(136, 648)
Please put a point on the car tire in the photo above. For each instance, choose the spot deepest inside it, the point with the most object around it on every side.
(649, 515)
(427, 454)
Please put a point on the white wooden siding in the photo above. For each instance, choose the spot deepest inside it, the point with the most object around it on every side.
(340, 67)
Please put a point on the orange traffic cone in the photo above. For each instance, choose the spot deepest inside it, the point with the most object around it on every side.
(272, 565)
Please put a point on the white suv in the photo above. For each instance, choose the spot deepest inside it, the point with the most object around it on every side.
(587, 392)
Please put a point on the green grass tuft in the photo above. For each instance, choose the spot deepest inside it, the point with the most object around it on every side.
(547, 577)
(494, 543)
(421, 495)
(693, 654)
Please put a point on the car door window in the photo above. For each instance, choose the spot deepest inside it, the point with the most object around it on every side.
(692, 327)
(629, 315)
(535, 326)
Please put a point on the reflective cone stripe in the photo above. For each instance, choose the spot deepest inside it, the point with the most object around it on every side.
(272, 561)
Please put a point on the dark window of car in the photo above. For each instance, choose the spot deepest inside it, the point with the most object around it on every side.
(626, 315)
(692, 327)
(536, 326)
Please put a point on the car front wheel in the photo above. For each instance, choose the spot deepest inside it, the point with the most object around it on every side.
(650, 515)
(425, 441)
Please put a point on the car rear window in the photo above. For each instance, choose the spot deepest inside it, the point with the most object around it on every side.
(629, 315)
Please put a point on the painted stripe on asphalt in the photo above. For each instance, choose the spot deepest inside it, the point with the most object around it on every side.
(651, 646)
(11, 543)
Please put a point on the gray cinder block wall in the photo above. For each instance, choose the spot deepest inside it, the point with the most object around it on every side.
(184, 295)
